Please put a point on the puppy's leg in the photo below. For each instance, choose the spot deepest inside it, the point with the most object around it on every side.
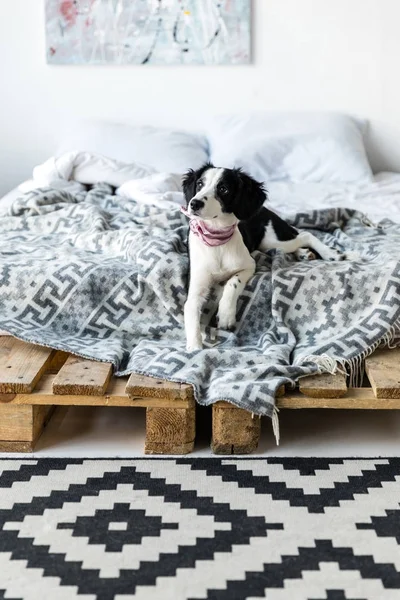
(305, 254)
(232, 290)
(326, 253)
(303, 239)
(198, 291)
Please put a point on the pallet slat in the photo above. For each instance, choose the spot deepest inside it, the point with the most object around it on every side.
(82, 377)
(383, 371)
(324, 385)
(115, 396)
(140, 385)
(21, 365)
(357, 398)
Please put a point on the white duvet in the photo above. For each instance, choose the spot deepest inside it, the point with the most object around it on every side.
(379, 199)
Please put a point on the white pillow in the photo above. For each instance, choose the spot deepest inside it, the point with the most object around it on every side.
(163, 149)
(314, 147)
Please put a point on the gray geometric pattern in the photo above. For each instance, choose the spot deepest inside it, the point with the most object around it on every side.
(106, 277)
(200, 529)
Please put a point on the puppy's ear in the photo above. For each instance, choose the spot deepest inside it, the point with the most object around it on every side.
(189, 181)
(250, 198)
(189, 185)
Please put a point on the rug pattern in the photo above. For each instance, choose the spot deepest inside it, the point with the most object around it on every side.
(186, 529)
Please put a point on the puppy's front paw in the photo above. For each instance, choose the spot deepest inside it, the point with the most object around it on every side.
(226, 319)
(352, 255)
(193, 345)
(333, 255)
(305, 254)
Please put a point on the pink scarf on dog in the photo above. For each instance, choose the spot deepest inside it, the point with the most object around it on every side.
(208, 235)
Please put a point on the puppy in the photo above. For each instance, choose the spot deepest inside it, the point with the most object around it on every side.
(227, 223)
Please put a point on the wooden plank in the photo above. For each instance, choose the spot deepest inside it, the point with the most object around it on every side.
(170, 430)
(280, 391)
(21, 365)
(324, 385)
(140, 385)
(23, 422)
(6, 446)
(57, 361)
(168, 448)
(115, 396)
(78, 377)
(357, 398)
(383, 370)
(16, 423)
(234, 430)
(41, 417)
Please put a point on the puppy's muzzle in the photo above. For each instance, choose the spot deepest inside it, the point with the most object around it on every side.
(196, 205)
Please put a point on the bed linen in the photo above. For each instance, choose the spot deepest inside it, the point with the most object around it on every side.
(379, 199)
(105, 276)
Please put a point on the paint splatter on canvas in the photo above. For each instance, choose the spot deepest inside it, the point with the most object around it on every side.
(148, 31)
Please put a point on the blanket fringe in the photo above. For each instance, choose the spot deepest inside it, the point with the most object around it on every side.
(325, 363)
(353, 367)
(275, 425)
(356, 366)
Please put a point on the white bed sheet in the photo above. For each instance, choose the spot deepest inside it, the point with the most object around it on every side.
(379, 199)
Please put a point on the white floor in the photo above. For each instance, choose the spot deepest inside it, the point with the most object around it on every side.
(119, 432)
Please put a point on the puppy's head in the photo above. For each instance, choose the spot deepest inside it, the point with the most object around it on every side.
(224, 194)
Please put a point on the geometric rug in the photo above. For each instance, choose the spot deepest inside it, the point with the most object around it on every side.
(200, 528)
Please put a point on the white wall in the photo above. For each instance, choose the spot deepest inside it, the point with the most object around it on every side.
(308, 54)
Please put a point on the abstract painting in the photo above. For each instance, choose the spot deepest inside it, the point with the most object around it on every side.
(162, 32)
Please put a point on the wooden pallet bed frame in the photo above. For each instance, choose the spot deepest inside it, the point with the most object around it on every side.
(34, 380)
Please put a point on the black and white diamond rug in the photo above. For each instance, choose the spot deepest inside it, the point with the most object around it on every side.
(197, 529)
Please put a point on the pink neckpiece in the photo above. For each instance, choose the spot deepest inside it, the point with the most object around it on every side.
(208, 235)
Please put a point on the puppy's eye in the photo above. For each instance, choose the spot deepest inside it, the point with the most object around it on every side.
(199, 185)
(223, 189)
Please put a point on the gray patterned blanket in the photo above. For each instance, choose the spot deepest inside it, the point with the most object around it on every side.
(106, 278)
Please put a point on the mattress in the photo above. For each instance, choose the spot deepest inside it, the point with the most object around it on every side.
(379, 199)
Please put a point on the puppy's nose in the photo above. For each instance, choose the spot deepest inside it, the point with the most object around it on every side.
(196, 205)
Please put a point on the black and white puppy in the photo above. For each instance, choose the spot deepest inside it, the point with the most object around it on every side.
(227, 222)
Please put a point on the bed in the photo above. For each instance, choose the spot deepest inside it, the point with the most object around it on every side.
(94, 265)
(287, 198)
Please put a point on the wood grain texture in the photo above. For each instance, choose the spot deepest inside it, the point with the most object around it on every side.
(383, 371)
(234, 430)
(23, 423)
(357, 398)
(79, 377)
(21, 365)
(140, 385)
(168, 448)
(324, 385)
(16, 423)
(57, 361)
(21, 446)
(41, 417)
(170, 430)
(280, 391)
(115, 396)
